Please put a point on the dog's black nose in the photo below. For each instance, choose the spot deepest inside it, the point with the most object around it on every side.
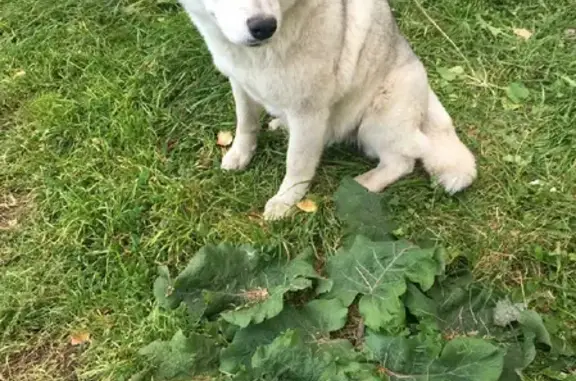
(262, 27)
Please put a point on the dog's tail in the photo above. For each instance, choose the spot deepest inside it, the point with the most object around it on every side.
(448, 159)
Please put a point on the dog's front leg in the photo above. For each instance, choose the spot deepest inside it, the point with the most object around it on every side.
(305, 146)
(247, 128)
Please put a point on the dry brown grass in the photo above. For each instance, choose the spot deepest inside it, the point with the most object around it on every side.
(12, 210)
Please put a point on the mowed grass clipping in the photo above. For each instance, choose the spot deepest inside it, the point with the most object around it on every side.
(109, 112)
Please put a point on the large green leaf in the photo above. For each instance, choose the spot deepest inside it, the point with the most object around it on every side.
(361, 211)
(460, 307)
(316, 319)
(182, 357)
(290, 357)
(242, 282)
(379, 271)
(522, 353)
(409, 359)
(456, 306)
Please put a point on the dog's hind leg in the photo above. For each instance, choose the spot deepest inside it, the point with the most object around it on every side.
(390, 129)
(391, 168)
(277, 124)
(247, 128)
(405, 122)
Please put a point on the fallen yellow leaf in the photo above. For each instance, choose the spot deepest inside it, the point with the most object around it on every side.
(19, 73)
(225, 138)
(307, 206)
(79, 338)
(523, 33)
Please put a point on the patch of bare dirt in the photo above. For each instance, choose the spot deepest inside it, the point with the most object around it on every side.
(354, 329)
(44, 362)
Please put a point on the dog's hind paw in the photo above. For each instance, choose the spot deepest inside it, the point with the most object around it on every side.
(276, 124)
(451, 163)
(454, 182)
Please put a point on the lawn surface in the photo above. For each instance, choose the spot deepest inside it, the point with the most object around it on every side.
(108, 166)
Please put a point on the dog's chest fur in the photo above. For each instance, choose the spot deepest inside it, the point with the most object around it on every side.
(274, 74)
(271, 77)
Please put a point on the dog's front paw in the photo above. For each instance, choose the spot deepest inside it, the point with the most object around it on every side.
(236, 159)
(277, 208)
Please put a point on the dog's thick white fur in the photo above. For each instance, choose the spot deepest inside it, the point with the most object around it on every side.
(329, 70)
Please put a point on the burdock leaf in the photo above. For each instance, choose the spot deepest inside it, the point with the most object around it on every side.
(258, 312)
(532, 324)
(462, 359)
(362, 212)
(316, 320)
(422, 307)
(242, 281)
(459, 307)
(182, 357)
(292, 357)
(379, 271)
(163, 289)
(522, 353)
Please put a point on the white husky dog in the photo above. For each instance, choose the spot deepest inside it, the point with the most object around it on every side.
(329, 70)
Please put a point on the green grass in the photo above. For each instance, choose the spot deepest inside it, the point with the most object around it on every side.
(108, 166)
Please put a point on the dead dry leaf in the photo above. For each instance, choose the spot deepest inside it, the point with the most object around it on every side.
(225, 138)
(254, 216)
(257, 295)
(257, 218)
(523, 33)
(307, 206)
(79, 338)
